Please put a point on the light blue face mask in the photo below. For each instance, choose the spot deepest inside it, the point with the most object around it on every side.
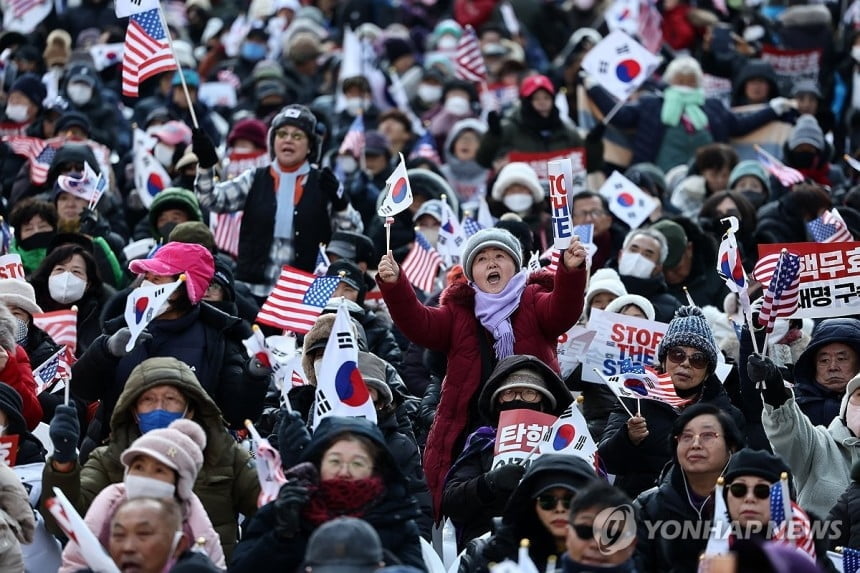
(253, 52)
(157, 419)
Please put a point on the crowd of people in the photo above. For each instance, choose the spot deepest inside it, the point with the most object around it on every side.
(277, 132)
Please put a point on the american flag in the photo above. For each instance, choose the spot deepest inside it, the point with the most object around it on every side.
(227, 226)
(147, 51)
(829, 228)
(46, 373)
(850, 559)
(353, 141)
(764, 268)
(39, 154)
(425, 148)
(20, 7)
(469, 62)
(422, 264)
(638, 381)
(781, 298)
(553, 254)
(797, 529)
(788, 176)
(297, 300)
(470, 225)
(61, 326)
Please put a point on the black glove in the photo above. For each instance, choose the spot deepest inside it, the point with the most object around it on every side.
(203, 148)
(505, 478)
(288, 509)
(293, 434)
(90, 224)
(330, 185)
(65, 431)
(494, 122)
(596, 133)
(762, 369)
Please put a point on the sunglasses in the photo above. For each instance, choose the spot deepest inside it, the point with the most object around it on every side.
(584, 532)
(760, 490)
(548, 502)
(697, 360)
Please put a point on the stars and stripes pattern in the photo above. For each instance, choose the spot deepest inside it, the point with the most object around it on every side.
(227, 226)
(786, 175)
(470, 225)
(553, 254)
(57, 367)
(469, 62)
(764, 268)
(20, 7)
(353, 141)
(781, 297)
(39, 154)
(5, 237)
(296, 302)
(850, 560)
(792, 524)
(421, 265)
(425, 148)
(61, 326)
(147, 51)
(829, 228)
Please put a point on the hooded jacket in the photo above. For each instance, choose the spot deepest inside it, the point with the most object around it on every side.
(173, 198)
(753, 69)
(392, 516)
(227, 484)
(17, 371)
(847, 512)
(549, 306)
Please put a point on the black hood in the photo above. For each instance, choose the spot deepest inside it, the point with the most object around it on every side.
(753, 69)
(555, 385)
(844, 330)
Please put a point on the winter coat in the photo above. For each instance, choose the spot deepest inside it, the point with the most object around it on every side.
(549, 306)
(820, 457)
(818, 403)
(392, 516)
(643, 116)
(847, 513)
(638, 466)
(380, 338)
(656, 290)
(99, 514)
(19, 375)
(39, 345)
(226, 485)
(752, 69)
(17, 522)
(223, 373)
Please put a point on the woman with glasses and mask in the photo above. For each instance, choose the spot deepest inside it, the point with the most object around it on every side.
(703, 439)
(346, 470)
(475, 491)
(636, 449)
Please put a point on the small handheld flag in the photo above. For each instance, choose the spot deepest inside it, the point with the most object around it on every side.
(398, 192)
(144, 304)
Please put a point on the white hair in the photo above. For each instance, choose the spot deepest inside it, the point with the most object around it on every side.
(652, 233)
(684, 65)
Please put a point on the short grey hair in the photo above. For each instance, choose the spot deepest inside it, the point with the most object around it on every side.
(652, 233)
(684, 65)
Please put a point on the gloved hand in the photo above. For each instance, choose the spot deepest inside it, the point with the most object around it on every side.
(781, 105)
(90, 223)
(505, 478)
(65, 431)
(330, 184)
(762, 369)
(293, 434)
(494, 123)
(203, 148)
(288, 509)
(117, 341)
(596, 133)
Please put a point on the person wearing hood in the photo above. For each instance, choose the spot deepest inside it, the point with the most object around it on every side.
(83, 89)
(346, 469)
(637, 448)
(34, 224)
(169, 208)
(809, 152)
(157, 392)
(640, 265)
(246, 147)
(751, 181)
(517, 190)
(185, 328)
(475, 491)
(754, 83)
(785, 220)
(535, 127)
(467, 177)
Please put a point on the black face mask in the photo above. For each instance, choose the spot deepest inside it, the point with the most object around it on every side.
(754, 197)
(37, 241)
(521, 405)
(166, 229)
(803, 159)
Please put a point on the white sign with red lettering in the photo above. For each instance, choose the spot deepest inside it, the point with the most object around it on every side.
(518, 434)
(620, 337)
(11, 267)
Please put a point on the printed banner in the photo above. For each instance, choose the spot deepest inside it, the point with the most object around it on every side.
(538, 161)
(572, 346)
(792, 66)
(11, 267)
(519, 433)
(562, 225)
(620, 337)
(829, 277)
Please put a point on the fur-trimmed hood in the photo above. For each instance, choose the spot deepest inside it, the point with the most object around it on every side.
(8, 329)
(463, 294)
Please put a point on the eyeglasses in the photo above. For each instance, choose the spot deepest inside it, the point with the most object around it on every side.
(697, 360)
(294, 135)
(586, 214)
(355, 466)
(705, 438)
(760, 490)
(549, 502)
(525, 394)
(584, 532)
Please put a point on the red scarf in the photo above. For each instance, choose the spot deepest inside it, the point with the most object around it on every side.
(339, 497)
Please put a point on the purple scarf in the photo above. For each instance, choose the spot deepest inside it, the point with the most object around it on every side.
(494, 312)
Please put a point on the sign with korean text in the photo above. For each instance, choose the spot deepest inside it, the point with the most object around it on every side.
(620, 337)
(518, 434)
(792, 66)
(829, 277)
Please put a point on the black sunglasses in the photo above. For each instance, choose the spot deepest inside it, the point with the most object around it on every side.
(697, 360)
(584, 532)
(548, 502)
(760, 490)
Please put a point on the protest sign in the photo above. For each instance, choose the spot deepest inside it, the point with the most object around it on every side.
(539, 161)
(11, 267)
(792, 66)
(620, 337)
(518, 434)
(571, 349)
(829, 277)
(562, 225)
(9, 449)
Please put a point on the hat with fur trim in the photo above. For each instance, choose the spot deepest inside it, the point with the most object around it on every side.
(520, 173)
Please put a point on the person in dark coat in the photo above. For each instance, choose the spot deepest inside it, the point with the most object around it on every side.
(30, 449)
(475, 490)
(346, 469)
(702, 439)
(847, 512)
(637, 448)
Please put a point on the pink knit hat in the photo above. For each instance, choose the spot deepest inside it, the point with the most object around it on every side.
(179, 446)
(177, 258)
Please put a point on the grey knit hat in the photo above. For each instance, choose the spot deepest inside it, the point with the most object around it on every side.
(690, 328)
(806, 130)
(486, 238)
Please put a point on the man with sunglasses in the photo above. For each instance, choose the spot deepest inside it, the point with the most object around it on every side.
(587, 548)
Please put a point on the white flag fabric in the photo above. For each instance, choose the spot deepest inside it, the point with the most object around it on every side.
(452, 237)
(150, 176)
(398, 192)
(258, 347)
(718, 540)
(76, 529)
(341, 390)
(126, 8)
(24, 15)
(620, 64)
(534, 263)
(627, 201)
(623, 15)
(569, 435)
(145, 303)
(106, 55)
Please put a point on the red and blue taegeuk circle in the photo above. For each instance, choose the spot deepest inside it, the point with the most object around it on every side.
(399, 190)
(636, 385)
(627, 70)
(563, 437)
(350, 386)
(140, 306)
(154, 184)
(625, 199)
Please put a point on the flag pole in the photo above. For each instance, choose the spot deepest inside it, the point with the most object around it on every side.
(608, 117)
(178, 66)
(775, 277)
(620, 401)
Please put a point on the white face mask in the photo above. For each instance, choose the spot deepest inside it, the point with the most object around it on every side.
(855, 53)
(66, 288)
(518, 202)
(163, 153)
(852, 419)
(17, 112)
(347, 163)
(79, 93)
(457, 105)
(354, 105)
(446, 43)
(428, 93)
(635, 265)
(144, 486)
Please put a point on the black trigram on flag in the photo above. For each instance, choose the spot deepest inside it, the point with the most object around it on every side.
(622, 49)
(580, 443)
(604, 67)
(323, 406)
(344, 339)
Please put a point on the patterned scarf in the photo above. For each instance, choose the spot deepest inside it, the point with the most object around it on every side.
(494, 312)
(338, 497)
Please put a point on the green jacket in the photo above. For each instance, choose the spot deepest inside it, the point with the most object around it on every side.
(227, 484)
